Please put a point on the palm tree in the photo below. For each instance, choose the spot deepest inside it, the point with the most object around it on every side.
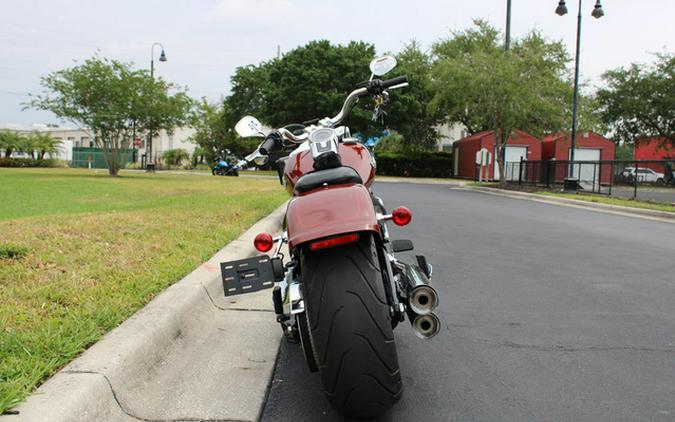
(44, 143)
(10, 142)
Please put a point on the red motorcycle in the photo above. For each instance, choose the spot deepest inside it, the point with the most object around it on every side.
(342, 291)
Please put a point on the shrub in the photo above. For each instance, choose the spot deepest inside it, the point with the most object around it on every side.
(30, 162)
(175, 157)
(390, 143)
(414, 164)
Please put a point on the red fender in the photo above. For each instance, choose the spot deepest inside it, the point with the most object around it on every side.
(330, 211)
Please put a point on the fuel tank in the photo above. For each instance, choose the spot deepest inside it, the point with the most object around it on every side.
(353, 155)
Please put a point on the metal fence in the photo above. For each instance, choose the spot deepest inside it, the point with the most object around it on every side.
(651, 180)
(95, 158)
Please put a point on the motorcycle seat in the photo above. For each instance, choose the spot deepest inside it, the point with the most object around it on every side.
(334, 176)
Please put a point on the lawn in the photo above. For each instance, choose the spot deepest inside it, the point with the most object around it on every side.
(80, 252)
(601, 199)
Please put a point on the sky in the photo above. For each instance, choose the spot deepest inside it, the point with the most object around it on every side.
(206, 40)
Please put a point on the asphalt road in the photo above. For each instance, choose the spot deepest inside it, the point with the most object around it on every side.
(549, 313)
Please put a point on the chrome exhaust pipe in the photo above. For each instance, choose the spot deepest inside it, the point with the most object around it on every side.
(426, 326)
(422, 298)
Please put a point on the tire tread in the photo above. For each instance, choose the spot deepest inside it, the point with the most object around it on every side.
(350, 328)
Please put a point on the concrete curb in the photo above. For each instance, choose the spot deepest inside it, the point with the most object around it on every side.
(594, 206)
(419, 181)
(158, 363)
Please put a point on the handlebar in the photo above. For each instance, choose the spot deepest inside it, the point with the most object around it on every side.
(399, 80)
(352, 98)
(268, 145)
(374, 86)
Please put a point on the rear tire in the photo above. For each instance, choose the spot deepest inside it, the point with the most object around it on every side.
(350, 328)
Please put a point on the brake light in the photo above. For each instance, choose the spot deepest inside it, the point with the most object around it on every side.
(263, 242)
(334, 241)
(401, 216)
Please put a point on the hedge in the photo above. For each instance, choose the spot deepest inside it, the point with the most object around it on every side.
(30, 162)
(414, 164)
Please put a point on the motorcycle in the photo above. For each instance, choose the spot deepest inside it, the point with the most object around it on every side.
(342, 290)
(222, 168)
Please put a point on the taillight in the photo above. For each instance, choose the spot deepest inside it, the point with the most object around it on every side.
(401, 216)
(334, 241)
(263, 242)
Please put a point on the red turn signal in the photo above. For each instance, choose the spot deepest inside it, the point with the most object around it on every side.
(401, 216)
(263, 242)
(334, 241)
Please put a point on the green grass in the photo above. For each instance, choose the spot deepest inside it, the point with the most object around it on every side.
(613, 201)
(87, 251)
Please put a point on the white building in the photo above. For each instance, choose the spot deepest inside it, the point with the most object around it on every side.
(69, 138)
(82, 138)
(449, 134)
(179, 139)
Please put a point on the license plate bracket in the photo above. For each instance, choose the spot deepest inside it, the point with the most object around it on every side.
(247, 275)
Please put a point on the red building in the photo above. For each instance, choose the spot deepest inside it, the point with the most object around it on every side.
(521, 144)
(590, 146)
(655, 148)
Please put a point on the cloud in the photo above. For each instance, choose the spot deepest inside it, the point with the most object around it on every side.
(257, 11)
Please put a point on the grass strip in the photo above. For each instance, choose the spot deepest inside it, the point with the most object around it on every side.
(94, 249)
(601, 199)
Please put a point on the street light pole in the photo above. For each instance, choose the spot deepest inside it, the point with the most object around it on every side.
(507, 43)
(597, 13)
(162, 58)
(575, 100)
(507, 47)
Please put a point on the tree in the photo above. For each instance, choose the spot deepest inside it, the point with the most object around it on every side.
(639, 101)
(408, 113)
(479, 84)
(43, 143)
(214, 132)
(249, 86)
(113, 101)
(313, 82)
(10, 142)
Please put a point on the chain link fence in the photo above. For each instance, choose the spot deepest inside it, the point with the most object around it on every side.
(645, 180)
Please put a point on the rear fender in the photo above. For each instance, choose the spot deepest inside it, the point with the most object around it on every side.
(330, 211)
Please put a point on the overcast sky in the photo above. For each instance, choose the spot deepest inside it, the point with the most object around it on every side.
(206, 40)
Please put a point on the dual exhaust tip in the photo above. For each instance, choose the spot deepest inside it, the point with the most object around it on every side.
(422, 299)
(426, 326)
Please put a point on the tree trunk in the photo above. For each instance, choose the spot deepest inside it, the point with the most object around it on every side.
(499, 156)
(107, 148)
(8, 152)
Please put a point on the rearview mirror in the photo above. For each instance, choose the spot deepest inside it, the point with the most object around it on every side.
(261, 160)
(249, 126)
(381, 65)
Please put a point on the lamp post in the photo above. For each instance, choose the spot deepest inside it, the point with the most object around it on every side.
(507, 47)
(150, 165)
(571, 183)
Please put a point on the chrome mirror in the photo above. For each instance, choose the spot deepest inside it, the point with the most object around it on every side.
(381, 65)
(249, 126)
(261, 160)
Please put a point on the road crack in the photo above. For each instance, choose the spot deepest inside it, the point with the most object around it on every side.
(140, 418)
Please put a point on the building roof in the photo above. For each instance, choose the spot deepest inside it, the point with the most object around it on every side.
(479, 135)
(34, 127)
(580, 135)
